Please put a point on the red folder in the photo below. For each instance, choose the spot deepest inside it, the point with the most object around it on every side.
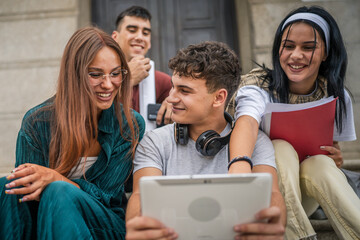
(306, 129)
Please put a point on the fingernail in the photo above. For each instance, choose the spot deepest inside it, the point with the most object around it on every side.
(10, 177)
(14, 170)
(24, 199)
(322, 147)
(9, 191)
(10, 185)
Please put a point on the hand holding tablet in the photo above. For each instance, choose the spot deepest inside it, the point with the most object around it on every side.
(205, 206)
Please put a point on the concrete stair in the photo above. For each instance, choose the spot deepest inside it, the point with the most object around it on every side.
(352, 164)
(323, 230)
(4, 170)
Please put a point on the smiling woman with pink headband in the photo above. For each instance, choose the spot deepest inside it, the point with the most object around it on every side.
(309, 63)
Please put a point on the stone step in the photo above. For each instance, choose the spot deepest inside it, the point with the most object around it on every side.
(323, 230)
(352, 164)
(5, 170)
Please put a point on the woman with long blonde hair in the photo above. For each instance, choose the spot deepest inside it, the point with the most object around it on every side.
(74, 151)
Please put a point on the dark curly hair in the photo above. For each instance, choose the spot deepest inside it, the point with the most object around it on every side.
(213, 61)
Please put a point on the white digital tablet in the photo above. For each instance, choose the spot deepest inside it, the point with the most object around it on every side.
(205, 206)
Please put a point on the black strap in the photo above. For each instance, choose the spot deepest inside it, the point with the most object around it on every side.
(240, 158)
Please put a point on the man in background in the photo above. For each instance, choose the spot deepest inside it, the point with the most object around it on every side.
(133, 34)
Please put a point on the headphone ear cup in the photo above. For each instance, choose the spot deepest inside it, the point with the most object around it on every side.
(181, 133)
(208, 144)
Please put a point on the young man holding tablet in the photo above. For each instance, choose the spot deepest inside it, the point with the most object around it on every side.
(205, 76)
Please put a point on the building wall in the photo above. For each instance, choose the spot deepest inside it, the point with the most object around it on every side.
(33, 35)
(259, 19)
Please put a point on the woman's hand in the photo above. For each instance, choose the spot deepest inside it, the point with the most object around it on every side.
(30, 180)
(334, 153)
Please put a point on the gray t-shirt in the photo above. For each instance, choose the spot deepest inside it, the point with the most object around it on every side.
(158, 149)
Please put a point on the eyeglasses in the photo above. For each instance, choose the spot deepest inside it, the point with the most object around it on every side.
(115, 76)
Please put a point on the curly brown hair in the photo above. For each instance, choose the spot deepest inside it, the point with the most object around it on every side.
(213, 61)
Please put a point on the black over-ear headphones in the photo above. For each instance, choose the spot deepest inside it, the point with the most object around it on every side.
(209, 143)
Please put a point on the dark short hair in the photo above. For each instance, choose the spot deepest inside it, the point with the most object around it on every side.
(134, 11)
(212, 61)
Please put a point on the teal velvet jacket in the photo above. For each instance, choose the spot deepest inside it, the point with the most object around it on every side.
(105, 178)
